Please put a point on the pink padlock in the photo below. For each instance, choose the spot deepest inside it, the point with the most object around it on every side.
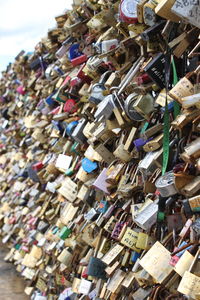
(100, 182)
(75, 81)
(25, 249)
(21, 90)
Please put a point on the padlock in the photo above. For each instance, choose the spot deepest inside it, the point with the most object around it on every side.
(112, 80)
(191, 188)
(191, 151)
(129, 107)
(96, 268)
(97, 94)
(147, 217)
(77, 133)
(105, 107)
(79, 60)
(128, 11)
(64, 233)
(129, 183)
(112, 254)
(182, 89)
(65, 257)
(165, 185)
(68, 189)
(130, 239)
(104, 153)
(113, 172)
(191, 205)
(180, 12)
(110, 224)
(120, 228)
(149, 14)
(160, 254)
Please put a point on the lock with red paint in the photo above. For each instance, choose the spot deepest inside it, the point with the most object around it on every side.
(82, 76)
(142, 79)
(79, 60)
(38, 166)
(128, 11)
(70, 106)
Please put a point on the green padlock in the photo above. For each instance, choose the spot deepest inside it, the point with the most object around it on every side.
(70, 171)
(17, 246)
(160, 216)
(74, 148)
(65, 232)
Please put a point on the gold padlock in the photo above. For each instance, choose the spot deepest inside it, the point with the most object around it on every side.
(183, 88)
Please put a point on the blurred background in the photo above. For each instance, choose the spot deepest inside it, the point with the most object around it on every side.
(23, 23)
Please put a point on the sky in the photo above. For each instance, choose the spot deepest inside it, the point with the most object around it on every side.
(23, 23)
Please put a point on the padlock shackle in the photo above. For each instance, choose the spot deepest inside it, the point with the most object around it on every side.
(105, 77)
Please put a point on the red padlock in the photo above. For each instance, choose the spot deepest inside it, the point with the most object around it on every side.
(173, 261)
(84, 78)
(70, 106)
(79, 60)
(85, 273)
(38, 166)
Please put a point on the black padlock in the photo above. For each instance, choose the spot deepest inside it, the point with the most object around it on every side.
(156, 69)
(151, 31)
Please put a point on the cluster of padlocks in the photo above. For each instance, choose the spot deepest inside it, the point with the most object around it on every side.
(100, 154)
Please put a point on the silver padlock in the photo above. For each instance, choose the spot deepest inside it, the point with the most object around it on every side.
(105, 107)
(77, 134)
(97, 89)
(165, 184)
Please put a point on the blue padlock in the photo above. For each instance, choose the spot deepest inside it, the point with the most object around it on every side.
(103, 206)
(179, 254)
(59, 71)
(88, 165)
(139, 143)
(70, 127)
(74, 51)
(170, 107)
(58, 126)
(134, 256)
(49, 100)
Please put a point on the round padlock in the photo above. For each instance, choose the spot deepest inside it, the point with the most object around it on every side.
(128, 11)
(165, 184)
(130, 111)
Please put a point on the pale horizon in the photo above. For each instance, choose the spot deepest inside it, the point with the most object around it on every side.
(23, 24)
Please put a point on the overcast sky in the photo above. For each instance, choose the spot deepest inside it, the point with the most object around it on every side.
(23, 23)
